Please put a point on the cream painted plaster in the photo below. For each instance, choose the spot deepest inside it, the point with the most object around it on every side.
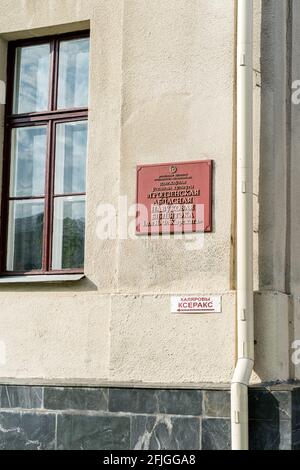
(150, 343)
(162, 88)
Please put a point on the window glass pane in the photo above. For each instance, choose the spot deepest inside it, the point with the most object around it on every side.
(73, 74)
(25, 235)
(70, 160)
(31, 90)
(68, 232)
(28, 161)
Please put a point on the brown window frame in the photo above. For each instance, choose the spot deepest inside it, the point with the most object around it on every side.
(49, 118)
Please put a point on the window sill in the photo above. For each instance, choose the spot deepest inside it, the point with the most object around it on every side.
(41, 278)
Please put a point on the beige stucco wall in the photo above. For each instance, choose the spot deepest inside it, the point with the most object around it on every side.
(162, 88)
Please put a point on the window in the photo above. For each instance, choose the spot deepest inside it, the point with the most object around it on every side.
(44, 182)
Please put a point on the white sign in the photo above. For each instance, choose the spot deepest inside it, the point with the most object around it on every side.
(196, 304)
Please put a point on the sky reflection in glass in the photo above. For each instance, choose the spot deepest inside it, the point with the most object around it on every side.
(31, 88)
(73, 74)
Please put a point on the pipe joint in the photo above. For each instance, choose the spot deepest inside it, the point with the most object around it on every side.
(243, 371)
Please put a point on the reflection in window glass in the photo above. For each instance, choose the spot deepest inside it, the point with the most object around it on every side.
(25, 235)
(68, 232)
(73, 74)
(46, 121)
(28, 157)
(31, 89)
(70, 157)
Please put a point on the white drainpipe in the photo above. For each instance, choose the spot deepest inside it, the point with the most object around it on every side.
(245, 317)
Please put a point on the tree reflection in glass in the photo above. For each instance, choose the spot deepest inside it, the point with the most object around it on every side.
(25, 235)
(68, 232)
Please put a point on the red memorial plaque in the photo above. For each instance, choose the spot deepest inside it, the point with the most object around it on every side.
(174, 197)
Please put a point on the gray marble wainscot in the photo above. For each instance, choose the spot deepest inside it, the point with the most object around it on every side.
(165, 432)
(29, 431)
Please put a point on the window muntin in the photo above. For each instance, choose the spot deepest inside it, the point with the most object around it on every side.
(45, 162)
(68, 232)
